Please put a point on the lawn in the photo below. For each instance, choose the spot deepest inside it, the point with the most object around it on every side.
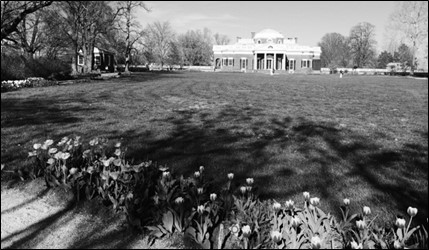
(359, 137)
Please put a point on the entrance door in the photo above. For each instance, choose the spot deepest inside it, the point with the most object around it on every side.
(269, 63)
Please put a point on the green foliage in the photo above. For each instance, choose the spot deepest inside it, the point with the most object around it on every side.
(153, 200)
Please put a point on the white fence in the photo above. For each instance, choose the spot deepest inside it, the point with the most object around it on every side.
(356, 71)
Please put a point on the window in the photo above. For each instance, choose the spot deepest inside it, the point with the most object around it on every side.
(230, 61)
(243, 63)
(259, 41)
(291, 64)
(269, 40)
(80, 60)
(224, 62)
(305, 63)
(280, 41)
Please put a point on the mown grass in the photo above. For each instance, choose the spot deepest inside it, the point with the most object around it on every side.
(359, 137)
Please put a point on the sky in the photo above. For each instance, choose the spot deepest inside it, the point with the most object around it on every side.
(309, 21)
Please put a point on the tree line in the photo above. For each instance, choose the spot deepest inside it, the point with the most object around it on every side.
(407, 39)
(57, 29)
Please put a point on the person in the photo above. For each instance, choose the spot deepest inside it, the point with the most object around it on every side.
(341, 73)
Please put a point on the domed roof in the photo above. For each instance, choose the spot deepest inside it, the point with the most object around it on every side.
(268, 33)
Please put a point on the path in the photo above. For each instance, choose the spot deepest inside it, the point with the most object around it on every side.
(33, 217)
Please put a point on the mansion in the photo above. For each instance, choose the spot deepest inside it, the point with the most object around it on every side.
(267, 50)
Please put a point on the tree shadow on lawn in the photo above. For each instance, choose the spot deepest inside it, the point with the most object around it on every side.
(287, 156)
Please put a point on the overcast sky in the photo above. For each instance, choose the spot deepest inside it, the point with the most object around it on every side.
(308, 21)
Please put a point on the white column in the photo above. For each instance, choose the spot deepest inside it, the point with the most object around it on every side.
(284, 62)
(275, 62)
(255, 62)
(265, 60)
(310, 62)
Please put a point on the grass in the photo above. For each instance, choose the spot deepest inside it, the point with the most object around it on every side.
(359, 137)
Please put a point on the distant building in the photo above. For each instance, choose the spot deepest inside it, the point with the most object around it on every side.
(267, 50)
(102, 60)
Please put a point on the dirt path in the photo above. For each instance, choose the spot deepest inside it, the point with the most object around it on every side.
(33, 217)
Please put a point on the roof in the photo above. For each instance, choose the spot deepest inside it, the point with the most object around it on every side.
(268, 34)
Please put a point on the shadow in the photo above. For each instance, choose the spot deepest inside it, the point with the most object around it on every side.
(288, 156)
(38, 196)
(33, 231)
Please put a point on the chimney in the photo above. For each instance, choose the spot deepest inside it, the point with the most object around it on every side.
(252, 35)
(238, 38)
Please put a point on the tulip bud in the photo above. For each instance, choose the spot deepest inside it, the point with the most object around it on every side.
(200, 191)
(165, 175)
(243, 189)
(201, 169)
(230, 176)
(412, 211)
(37, 146)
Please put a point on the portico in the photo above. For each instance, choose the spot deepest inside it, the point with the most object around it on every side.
(266, 50)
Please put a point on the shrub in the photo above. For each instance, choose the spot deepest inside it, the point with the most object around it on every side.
(153, 199)
(16, 67)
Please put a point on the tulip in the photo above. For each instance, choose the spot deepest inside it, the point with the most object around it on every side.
(118, 152)
(230, 176)
(200, 190)
(360, 224)
(37, 146)
(366, 210)
(243, 189)
(289, 204)
(315, 201)
(118, 145)
(235, 229)
(200, 209)
(49, 142)
(397, 244)
(346, 202)
(165, 174)
(277, 206)
(248, 189)
(306, 195)
(51, 161)
(355, 245)
(213, 197)
(296, 221)
(412, 211)
(197, 174)
(246, 230)
(179, 200)
(249, 181)
(73, 171)
(276, 236)
(400, 223)
(65, 156)
(52, 151)
(201, 169)
(316, 242)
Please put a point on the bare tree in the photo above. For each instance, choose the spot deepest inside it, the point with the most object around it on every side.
(13, 12)
(221, 39)
(130, 26)
(410, 20)
(335, 50)
(362, 44)
(159, 36)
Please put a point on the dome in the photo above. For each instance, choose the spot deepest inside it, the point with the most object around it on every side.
(268, 34)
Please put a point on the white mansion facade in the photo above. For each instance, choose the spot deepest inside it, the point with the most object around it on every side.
(267, 50)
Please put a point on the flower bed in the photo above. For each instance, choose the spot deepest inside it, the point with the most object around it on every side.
(153, 199)
(32, 82)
